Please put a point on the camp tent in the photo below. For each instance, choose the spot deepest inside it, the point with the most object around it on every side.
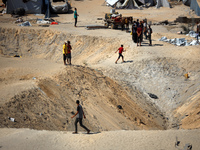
(162, 3)
(127, 4)
(30, 6)
(112, 2)
(130, 4)
(193, 5)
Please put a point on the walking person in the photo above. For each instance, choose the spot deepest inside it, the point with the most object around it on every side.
(134, 32)
(145, 29)
(121, 49)
(79, 117)
(198, 31)
(75, 17)
(149, 31)
(68, 56)
(64, 52)
(139, 35)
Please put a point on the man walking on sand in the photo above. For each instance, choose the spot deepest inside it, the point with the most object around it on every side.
(80, 114)
(75, 17)
(121, 49)
(65, 52)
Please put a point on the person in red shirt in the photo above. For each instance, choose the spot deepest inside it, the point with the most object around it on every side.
(121, 49)
(139, 35)
(69, 48)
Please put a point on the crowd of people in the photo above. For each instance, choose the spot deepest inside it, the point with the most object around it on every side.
(140, 28)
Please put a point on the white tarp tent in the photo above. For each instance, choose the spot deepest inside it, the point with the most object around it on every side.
(31, 6)
(130, 4)
(162, 3)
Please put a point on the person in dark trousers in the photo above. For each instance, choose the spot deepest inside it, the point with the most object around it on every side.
(198, 31)
(68, 56)
(145, 29)
(79, 117)
(75, 17)
(137, 23)
(134, 32)
(149, 31)
(65, 52)
(121, 49)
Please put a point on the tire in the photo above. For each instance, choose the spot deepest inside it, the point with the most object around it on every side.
(106, 25)
(112, 26)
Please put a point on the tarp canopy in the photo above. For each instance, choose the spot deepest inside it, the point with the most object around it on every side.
(30, 6)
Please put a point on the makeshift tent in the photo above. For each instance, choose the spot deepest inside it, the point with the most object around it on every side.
(112, 2)
(150, 2)
(193, 5)
(186, 2)
(162, 3)
(30, 6)
(127, 4)
(130, 4)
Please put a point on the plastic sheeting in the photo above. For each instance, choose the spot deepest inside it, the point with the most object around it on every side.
(27, 23)
(179, 41)
(60, 9)
(31, 7)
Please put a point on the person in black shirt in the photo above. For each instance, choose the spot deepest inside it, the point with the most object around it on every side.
(80, 114)
(149, 31)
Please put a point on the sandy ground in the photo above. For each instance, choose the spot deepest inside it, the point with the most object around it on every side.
(18, 139)
(39, 91)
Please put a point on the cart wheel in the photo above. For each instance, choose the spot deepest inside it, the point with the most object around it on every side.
(112, 26)
(106, 25)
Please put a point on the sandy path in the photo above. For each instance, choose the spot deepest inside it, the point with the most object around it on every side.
(19, 139)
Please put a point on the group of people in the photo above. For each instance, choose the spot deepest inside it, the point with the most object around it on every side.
(139, 29)
(67, 52)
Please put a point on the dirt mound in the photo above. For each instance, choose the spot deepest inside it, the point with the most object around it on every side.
(52, 103)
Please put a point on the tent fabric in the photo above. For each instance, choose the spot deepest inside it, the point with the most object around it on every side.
(186, 2)
(128, 4)
(31, 7)
(112, 2)
(150, 2)
(162, 3)
(60, 9)
(194, 6)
